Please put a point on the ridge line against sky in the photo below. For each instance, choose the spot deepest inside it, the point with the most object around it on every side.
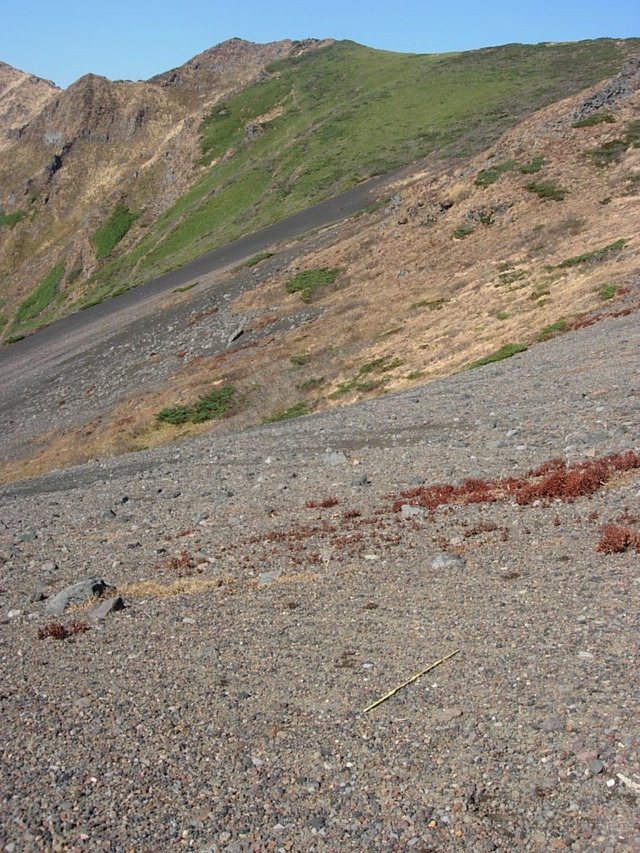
(137, 39)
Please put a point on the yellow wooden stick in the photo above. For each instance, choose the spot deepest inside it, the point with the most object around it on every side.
(409, 681)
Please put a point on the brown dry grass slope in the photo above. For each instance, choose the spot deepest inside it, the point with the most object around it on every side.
(454, 269)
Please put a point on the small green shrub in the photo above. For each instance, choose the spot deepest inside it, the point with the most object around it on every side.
(602, 117)
(547, 190)
(511, 276)
(313, 382)
(573, 226)
(633, 184)
(379, 365)
(504, 352)
(534, 166)
(299, 360)
(593, 257)
(463, 231)
(206, 408)
(11, 219)
(608, 153)
(612, 151)
(415, 374)
(261, 256)
(382, 365)
(306, 282)
(75, 274)
(608, 291)
(552, 330)
(369, 385)
(632, 133)
(175, 415)
(502, 315)
(298, 410)
(431, 304)
(538, 293)
(107, 237)
(44, 294)
(212, 405)
(489, 176)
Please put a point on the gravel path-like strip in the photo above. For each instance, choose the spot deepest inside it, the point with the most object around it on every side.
(272, 592)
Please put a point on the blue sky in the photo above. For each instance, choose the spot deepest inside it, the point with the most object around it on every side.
(133, 40)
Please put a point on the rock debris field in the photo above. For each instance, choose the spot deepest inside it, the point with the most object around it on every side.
(261, 589)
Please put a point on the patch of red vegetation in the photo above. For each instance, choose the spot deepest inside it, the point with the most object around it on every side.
(58, 631)
(566, 483)
(325, 503)
(554, 480)
(487, 527)
(617, 538)
(351, 513)
(182, 565)
(584, 322)
(186, 532)
(618, 535)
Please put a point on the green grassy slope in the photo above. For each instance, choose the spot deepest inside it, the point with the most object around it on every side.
(333, 117)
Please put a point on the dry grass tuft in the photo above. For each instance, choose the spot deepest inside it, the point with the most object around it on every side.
(180, 586)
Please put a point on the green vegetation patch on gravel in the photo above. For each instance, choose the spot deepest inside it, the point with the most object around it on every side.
(504, 352)
(552, 330)
(298, 410)
(213, 405)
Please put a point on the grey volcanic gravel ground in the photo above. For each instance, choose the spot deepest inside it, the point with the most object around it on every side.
(228, 715)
